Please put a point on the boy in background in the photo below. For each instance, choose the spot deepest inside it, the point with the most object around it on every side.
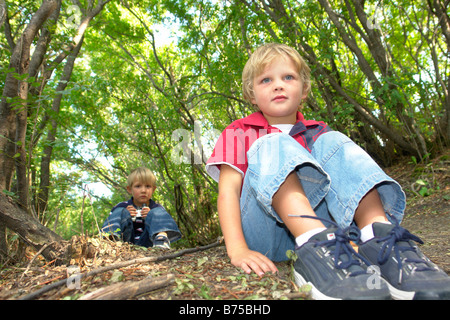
(140, 220)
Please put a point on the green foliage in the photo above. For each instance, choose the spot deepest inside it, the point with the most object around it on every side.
(131, 91)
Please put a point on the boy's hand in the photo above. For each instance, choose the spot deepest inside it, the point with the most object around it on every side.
(145, 211)
(241, 256)
(132, 210)
(250, 260)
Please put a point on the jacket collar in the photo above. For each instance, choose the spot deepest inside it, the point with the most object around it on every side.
(257, 119)
(124, 204)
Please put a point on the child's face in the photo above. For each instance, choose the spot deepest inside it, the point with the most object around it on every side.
(278, 91)
(141, 192)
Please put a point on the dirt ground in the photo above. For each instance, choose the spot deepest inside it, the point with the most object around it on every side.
(428, 216)
(208, 274)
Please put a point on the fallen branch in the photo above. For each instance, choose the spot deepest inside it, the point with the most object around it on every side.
(130, 289)
(119, 265)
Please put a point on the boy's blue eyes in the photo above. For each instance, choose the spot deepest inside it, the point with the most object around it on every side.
(267, 80)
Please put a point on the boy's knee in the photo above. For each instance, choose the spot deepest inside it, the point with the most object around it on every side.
(158, 211)
(334, 137)
(332, 143)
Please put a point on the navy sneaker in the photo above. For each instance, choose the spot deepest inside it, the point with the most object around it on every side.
(335, 270)
(409, 273)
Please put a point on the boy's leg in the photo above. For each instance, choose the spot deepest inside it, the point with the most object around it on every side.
(353, 174)
(272, 159)
(290, 199)
(159, 220)
(336, 178)
(271, 193)
(370, 210)
(119, 224)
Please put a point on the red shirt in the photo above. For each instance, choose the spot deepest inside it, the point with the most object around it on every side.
(234, 142)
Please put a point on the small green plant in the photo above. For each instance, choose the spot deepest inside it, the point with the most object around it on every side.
(424, 189)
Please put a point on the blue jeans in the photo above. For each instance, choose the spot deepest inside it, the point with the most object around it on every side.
(158, 220)
(335, 176)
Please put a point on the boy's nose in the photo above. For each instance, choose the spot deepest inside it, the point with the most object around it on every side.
(279, 88)
(278, 85)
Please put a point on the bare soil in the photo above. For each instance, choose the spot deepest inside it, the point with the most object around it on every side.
(208, 274)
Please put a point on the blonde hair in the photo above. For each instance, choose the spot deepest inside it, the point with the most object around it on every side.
(264, 56)
(142, 175)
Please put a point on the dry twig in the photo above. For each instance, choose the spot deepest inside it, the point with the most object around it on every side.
(34, 258)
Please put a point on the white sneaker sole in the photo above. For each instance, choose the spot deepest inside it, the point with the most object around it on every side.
(399, 294)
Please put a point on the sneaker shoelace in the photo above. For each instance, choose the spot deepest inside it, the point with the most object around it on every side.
(391, 244)
(342, 246)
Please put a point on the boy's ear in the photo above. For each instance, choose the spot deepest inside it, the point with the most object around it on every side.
(129, 189)
(306, 90)
(305, 96)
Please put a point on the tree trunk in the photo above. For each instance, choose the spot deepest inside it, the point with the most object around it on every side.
(74, 49)
(10, 117)
(438, 8)
(31, 231)
(51, 137)
(2, 12)
(12, 120)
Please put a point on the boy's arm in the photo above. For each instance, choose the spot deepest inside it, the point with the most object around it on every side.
(230, 183)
